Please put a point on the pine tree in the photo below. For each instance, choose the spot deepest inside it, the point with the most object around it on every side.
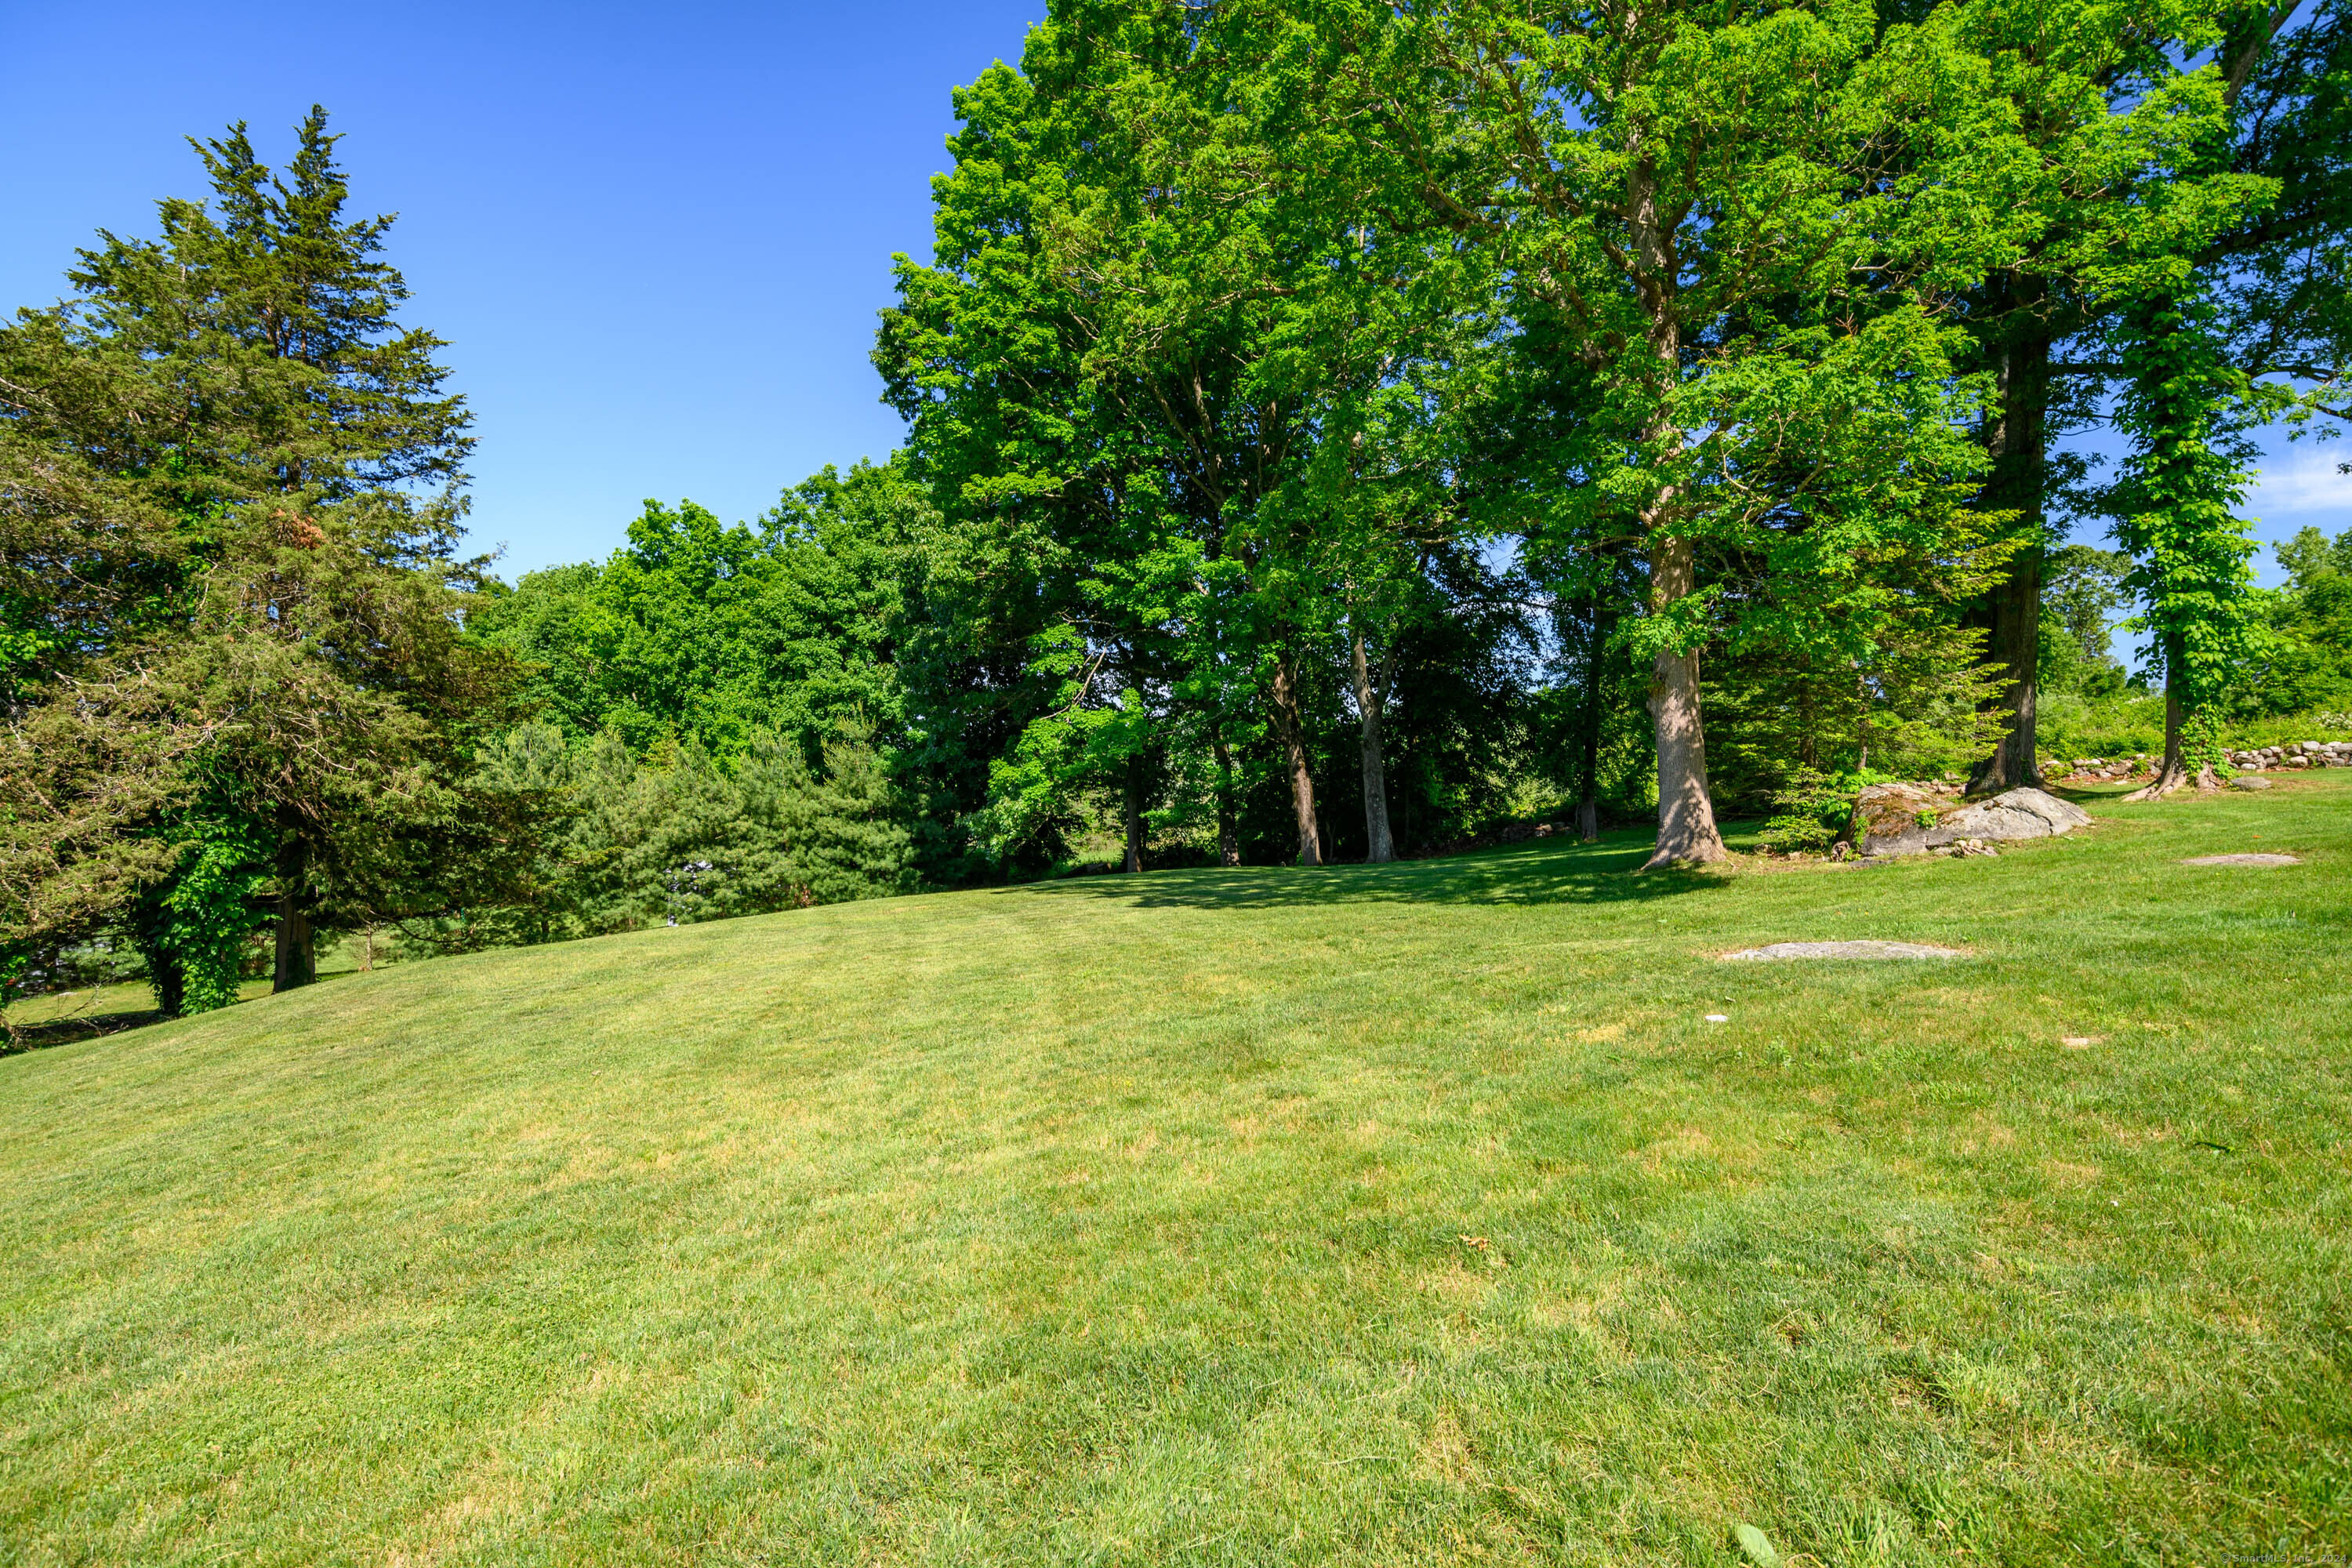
(259, 332)
(295, 682)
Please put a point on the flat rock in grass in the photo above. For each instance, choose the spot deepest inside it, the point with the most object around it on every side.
(1847, 950)
(2248, 781)
(1895, 819)
(2243, 860)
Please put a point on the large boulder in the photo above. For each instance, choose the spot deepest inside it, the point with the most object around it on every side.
(1887, 812)
(1903, 819)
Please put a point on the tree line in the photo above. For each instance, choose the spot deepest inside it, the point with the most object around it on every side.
(1332, 427)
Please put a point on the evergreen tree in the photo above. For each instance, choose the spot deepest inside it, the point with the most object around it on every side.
(87, 560)
(257, 342)
(675, 838)
(293, 703)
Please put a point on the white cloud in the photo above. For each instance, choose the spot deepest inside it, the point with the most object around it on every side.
(2302, 482)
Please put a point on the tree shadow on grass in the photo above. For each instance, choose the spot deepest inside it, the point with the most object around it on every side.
(104, 1018)
(1546, 871)
(15, 1037)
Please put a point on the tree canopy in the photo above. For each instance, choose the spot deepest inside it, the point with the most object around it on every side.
(1333, 430)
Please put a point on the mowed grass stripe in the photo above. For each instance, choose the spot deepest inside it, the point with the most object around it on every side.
(1390, 1214)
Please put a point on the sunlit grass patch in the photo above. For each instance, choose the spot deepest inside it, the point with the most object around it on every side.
(1395, 1215)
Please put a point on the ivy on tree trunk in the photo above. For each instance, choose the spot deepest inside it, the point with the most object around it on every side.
(2176, 517)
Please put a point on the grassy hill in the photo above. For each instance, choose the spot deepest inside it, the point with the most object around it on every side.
(1385, 1216)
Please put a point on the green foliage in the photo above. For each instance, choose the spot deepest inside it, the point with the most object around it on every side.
(1180, 428)
(2311, 558)
(2285, 288)
(195, 929)
(2082, 588)
(1307, 406)
(676, 838)
(2282, 729)
(2132, 722)
(261, 463)
(2303, 659)
(2126, 723)
(87, 561)
(2175, 506)
(695, 631)
(251, 350)
(1811, 810)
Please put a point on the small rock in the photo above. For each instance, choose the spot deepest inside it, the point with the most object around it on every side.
(1846, 949)
(1718, 1018)
(2242, 860)
(2249, 781)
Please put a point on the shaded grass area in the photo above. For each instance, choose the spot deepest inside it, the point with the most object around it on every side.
(1378, 1215)
(88, 1011)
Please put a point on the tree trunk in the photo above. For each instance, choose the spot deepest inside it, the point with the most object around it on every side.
(149, 923)
(1382, 847)
(2174, 771)
(171, 984)
(1134, 813)
(1686, 830)
(1292, 726)
(1588, 781)
(1229, 838)
(296, 963)
(2012, 613)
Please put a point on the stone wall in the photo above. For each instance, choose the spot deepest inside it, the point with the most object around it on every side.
(2296, 754)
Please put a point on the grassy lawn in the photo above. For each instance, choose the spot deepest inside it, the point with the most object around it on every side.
(1410, 1214)
(106, 1009)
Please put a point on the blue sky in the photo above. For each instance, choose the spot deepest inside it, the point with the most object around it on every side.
(655, 236)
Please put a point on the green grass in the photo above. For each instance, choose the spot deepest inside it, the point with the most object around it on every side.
(1375, 1216)
(112, 1006)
